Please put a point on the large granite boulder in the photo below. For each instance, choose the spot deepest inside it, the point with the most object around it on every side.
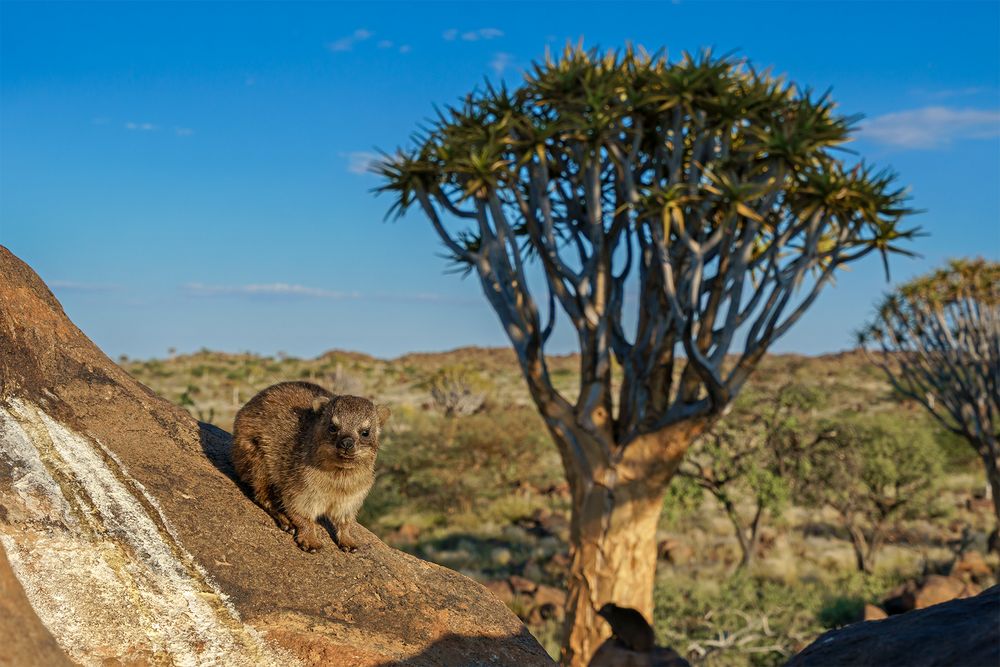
(963, 632)
(127, 534)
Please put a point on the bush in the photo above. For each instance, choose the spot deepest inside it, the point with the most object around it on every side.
(874, 470)
(746, 620)
(487, 456)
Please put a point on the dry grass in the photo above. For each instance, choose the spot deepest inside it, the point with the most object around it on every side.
(467, 492)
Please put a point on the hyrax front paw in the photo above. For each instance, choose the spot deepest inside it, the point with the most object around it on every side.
(284, 523)
(344, 540)
(308, 541)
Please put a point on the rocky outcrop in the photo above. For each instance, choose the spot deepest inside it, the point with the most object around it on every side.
(121, 519)
(960, 632)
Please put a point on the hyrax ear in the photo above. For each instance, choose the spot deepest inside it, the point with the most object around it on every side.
(319, 403)
(383, 413)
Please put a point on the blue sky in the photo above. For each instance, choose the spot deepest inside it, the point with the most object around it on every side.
(192, 175)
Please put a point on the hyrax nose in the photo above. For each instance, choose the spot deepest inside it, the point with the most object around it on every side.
(346, 444)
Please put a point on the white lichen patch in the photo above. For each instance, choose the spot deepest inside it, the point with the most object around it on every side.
(98, 560)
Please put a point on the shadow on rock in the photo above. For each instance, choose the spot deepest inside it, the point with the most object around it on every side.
(443, 652)
(218, 447)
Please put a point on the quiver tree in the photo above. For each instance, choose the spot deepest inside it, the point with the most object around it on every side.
(939, 338)
(704, 190)
(752, 458)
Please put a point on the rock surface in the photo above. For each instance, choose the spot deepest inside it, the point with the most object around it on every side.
(26, 640)
(613, 654)
(125, 529)
(960, 632)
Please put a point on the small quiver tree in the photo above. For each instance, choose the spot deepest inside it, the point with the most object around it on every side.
(937, 338)
(874, 471)
(703, 187)
(750, 459)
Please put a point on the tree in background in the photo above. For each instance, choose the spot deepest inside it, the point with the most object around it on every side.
(873, 471)
(939, 337)
(705, 188)
(457, 390)
(754, 455)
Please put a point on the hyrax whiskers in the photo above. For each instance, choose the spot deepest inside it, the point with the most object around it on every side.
(306, 454)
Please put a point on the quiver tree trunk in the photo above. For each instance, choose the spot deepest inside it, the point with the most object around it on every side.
(613, 537)
(613, 560)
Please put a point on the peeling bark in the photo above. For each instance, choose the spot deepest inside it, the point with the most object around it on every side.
(613, 538)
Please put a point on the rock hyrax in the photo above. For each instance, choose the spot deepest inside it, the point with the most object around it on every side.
(306, 453)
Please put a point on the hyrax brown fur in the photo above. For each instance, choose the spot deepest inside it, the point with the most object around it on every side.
(306, 454)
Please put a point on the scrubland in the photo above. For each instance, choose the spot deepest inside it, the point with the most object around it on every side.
(468, 478)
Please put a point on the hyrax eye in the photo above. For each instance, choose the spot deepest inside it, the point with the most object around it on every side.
(365, 433)
(332, 427)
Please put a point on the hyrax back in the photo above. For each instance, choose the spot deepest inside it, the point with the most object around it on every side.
(306, 453)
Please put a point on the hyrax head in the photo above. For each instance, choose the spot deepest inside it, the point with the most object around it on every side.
(347, 431)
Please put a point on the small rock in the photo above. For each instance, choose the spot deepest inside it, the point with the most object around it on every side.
(550, 595)
(979, 505)
(935, 589)
(501, 589)
(938, 589)
(407, 534)
(674, 551)
(874, 613)
(521, 585)
(972, 566)
(558, 563)
(550, 602)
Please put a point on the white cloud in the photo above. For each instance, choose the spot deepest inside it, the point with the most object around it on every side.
(405, 48)
(501, 61)
(143, 127)
(183, 131)
(267, 289)
(359, 162)
(932, 127)
(472, 35)
(384, 44)
(347, 43)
